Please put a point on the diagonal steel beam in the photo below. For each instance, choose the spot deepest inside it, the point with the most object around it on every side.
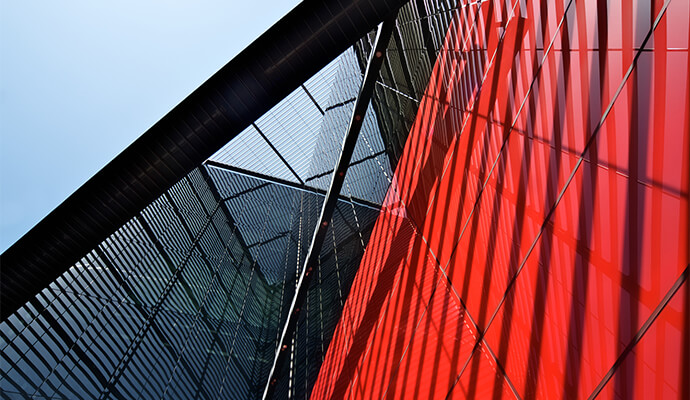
(352, 164)
(313, 100)
(275, 150)
(228, 217)
(383, 36)
(280, 235)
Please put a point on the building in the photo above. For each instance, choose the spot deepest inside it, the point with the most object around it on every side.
(383, 200)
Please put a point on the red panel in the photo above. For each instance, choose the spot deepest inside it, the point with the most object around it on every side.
(656, 368)
(482, 379)
(504, 214)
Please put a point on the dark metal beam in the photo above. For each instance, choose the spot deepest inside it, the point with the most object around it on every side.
(290, 52)
(313, 100)
(230, 220)
(280, 235)
(352, 164)
(283, 182)
(312, 259)
(348, 101)
(245, 191)
(275, 150)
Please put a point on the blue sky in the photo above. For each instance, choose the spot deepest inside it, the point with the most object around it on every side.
(81, 80)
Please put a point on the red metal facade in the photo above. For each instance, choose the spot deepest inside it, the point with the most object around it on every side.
(535, 240)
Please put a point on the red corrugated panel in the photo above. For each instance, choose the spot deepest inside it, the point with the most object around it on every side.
(542, 199)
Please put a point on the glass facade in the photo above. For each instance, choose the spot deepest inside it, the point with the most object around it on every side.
(513, 223)
(171, 305)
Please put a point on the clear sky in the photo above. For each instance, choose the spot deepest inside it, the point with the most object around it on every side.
(82, 79)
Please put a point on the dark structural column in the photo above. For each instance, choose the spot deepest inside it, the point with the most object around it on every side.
(312, 259)
(277, 63)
